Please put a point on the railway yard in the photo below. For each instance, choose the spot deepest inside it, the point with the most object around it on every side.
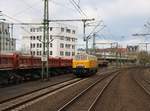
(122, 89)
(74, 55)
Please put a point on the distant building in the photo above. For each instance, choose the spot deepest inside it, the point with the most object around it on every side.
(112, 51)
(7, 44)
(63, 39)
(133, 48)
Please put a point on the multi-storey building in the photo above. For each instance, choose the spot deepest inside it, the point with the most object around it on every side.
(131, 48)
(62, 40)
(7, 44)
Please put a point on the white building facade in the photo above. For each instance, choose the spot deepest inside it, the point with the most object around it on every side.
(62, 40)
(7, 44)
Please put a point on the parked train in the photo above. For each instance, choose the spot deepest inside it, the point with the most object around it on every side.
(103, 63)
(17, 67)
(84, 65)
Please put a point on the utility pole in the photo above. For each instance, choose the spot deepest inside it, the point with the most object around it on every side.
(45, 55)
(93, 34)
(146, 45)
(117, 59)
(94, 48)
(12, 32)
(84, 36)
(144, 34)
(2, 34)
(11, 35)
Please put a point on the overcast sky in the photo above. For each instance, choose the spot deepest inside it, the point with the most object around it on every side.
(122, 17)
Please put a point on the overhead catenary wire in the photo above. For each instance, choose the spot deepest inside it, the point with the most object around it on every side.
(88, 37)
(60, 4)
(29, 7)
(77, 7)
(20, 23)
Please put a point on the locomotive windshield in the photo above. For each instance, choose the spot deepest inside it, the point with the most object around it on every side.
(80, 57)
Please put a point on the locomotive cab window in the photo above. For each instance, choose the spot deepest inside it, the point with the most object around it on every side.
(80, 57)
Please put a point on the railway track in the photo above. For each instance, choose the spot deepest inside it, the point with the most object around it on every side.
(19, 102)
(80, 102)
(5, 98)
(12, 103)
(32, 91)
(142, 83)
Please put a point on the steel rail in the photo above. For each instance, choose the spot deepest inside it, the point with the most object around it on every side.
(101, 92)
(141, 85)
(20, 100)
(64, 107)
(29, 92)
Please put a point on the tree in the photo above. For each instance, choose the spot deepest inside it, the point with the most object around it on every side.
(144, 57)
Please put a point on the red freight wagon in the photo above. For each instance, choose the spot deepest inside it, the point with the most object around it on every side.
(7, 62)
(17, 67)
(25, 62)
(66, 62)
(36, 62)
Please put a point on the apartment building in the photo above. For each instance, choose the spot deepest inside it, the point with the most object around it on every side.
(7, 44)
(62, 40)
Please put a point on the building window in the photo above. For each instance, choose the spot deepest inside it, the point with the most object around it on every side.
(62, 29)
(38, 45)
(38, 53)
(50, 53)
(6, 31)
(73, 39)
(51, 28)
(67, 46)
(51, 45)
(68, 30)
(61, 45)
(67, 53)
(73, 46)
(40, 29)
(31, 37)
(61, 53)
(38, 37)
(32, 30)
(50, 37)
(62, 38)
(73, 53)
(67, 38)
(12, 43)
(33, 53)
(33, 45)
(73, 31)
